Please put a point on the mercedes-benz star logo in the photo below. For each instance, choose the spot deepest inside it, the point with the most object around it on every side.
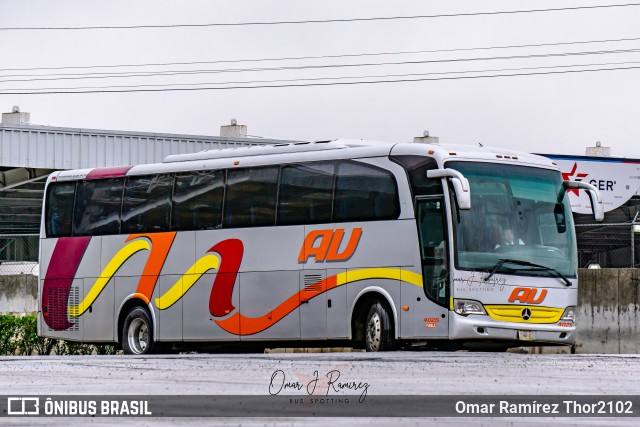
(526, 314)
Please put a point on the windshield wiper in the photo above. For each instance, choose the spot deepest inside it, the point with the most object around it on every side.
(535, 267)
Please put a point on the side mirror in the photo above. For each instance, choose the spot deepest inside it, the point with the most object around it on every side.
(561, 221)
(460, 185)
(594, 195)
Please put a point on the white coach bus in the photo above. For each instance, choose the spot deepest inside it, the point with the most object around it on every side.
(376, 245)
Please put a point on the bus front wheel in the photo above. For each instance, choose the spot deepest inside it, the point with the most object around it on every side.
(378, 334)
(137, 333)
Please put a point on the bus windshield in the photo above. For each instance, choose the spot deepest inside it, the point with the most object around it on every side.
(519, 223)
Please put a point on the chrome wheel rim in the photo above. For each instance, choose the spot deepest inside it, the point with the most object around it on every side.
(374, 332)
(138, 336)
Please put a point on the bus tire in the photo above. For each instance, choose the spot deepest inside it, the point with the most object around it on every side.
(378, 333)
(137, 333)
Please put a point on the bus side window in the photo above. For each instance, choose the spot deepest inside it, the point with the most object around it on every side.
(250, 199)
(365, 193)
(197, 201)
(417, 167)
(59, 210)
(306, 193)
(97, 207)
(146, 205)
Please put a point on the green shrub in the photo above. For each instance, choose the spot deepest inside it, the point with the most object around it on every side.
(78, 348)
(27, 335)
(9, 332)
(19, 335)
(106, 349)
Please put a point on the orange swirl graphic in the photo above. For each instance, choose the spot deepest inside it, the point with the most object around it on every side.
(239, 324)
(159, 248)
(160, 245)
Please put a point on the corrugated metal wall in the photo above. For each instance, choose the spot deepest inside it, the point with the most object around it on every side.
(68, 148)
(29, 153)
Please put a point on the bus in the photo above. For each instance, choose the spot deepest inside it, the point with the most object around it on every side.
(371, 245)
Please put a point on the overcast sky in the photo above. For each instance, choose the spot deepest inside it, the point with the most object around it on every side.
(552, 113)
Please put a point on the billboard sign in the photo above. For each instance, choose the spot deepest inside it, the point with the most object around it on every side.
(617, 179)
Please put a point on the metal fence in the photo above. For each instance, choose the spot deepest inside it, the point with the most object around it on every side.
(608, 245)
(18, 254)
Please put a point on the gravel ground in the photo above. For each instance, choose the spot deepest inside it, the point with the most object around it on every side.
(398, 373)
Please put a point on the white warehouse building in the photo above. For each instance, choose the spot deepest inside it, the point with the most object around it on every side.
(29, 153)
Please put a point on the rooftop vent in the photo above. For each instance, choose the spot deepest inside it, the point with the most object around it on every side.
(234, 130)
(599, 150)
(15, 117)
(426, 139)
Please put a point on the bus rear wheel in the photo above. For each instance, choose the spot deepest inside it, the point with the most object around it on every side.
(378, 333)
(137, 333)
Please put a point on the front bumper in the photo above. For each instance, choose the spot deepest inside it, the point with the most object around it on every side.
(483, 327)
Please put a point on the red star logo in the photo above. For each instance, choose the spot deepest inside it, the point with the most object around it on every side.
(578, 177)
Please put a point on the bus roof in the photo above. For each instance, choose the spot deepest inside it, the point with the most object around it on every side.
(309, 151)
(446, 152)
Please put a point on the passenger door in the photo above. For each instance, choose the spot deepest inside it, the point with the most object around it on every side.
(432, 316)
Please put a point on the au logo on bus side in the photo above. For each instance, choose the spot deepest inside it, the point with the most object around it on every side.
(329, 245)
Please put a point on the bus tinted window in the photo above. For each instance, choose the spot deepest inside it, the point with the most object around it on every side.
(365, 193)
(250, 200)
(59, 209)
(97, 207)
(146, 205)
(417, 167)
(306, 193)
(197, 201)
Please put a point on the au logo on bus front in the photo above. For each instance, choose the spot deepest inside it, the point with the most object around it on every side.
(527, 295)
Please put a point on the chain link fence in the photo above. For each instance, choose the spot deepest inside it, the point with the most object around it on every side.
(608, 245)
(18, 254)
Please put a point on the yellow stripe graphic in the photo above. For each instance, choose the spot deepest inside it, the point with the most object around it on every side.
(379, 273)
(116, 262)
(187, 280)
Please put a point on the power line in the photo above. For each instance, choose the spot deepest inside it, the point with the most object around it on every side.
(84, 76)
(319, 21)
(331, 78)
(296, 58)
(67, 92)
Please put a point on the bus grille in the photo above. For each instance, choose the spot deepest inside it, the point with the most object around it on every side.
(513, 313)
(61, 297)
(313, 283)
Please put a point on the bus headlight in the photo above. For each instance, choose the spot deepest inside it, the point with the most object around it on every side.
(466, 307)
(569, 314)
